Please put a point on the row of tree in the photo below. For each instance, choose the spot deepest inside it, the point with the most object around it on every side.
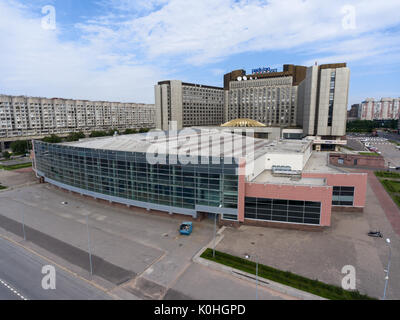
(370, 125)
(24, 146)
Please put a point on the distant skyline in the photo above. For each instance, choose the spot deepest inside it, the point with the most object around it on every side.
(117, 50)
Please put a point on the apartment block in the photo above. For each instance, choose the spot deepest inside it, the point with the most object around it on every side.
(385, 109)
(22, 116)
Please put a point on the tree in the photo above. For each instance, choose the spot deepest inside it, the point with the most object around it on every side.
(95, 134)
(75, 136)
(130, 131)
(6, 155)
(20, 147)
(52, 139)
(144, 130)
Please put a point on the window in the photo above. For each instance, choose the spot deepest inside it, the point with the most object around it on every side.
(343, 196)
(291, 211)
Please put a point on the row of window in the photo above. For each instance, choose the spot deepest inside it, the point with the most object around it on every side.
(306, 212)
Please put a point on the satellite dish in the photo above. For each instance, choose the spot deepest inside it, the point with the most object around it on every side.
(244, 78)
(239, 78)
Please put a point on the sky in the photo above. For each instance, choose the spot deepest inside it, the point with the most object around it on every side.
(117, 50)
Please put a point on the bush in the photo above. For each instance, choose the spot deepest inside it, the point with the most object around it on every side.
(96, 134)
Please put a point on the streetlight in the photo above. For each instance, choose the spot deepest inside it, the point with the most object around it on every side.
(215, 230)
(388, 269)
(257, 260)
(90, 252)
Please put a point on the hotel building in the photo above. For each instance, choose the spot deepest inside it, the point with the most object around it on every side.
(188, 104)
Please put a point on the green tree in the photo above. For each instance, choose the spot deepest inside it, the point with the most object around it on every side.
(52, 139)
(20, 147)
(6, 155)
(144, 130)
(75, 136)
(130, 131)
(95, 134)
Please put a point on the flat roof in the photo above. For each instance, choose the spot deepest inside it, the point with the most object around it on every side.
(268, 178)
(319, 162)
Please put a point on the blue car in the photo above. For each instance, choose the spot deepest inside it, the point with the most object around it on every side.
(186, 228)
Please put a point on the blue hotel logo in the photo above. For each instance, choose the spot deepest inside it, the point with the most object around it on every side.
(263, 70)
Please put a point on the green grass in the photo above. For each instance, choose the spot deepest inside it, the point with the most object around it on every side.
(395, 142)
(284, 277)
(391, 185)
(368, 153)
(347, 147)
(16, 166)
(387, 174)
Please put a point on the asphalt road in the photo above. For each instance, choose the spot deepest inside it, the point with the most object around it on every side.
(21, 278)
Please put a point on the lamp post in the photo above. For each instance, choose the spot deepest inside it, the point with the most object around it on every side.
(388, 269)
(215, 230)
(257, 260)
(90, 251)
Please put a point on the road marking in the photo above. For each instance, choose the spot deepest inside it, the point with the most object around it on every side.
(94, 284)
(5, 284)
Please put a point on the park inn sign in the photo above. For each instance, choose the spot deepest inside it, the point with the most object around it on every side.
(263, 70)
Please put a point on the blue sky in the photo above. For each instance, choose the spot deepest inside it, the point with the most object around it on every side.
(118, 49)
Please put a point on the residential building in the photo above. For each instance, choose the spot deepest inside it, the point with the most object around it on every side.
(385, 109)
(27, 117)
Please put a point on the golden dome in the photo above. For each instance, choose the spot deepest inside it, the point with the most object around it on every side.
(243, 123)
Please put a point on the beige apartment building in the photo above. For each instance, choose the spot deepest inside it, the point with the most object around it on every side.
(22, 116)
(385, 109)
(188, 104)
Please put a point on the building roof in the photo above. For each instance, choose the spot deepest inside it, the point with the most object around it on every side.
(196, 142)
(243, 123)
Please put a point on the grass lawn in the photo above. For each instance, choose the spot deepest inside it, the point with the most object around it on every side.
(369, 153)
(17, 166)
(387, 174)
(391, 185)
(284, 277)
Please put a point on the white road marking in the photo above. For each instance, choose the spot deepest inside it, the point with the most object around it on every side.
(12, 290)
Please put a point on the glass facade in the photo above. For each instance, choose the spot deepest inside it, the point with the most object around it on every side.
(306, 212)
(343, 196)
(128, 175)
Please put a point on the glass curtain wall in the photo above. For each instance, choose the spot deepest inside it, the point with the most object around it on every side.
(128, 175)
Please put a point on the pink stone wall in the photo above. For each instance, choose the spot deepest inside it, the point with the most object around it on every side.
(290, 192)
(356, 180)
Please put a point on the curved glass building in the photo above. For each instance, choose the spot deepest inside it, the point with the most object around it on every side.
(117, 169)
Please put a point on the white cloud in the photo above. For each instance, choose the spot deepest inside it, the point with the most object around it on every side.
(34, 61)
(203, 31)
(122, 54)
